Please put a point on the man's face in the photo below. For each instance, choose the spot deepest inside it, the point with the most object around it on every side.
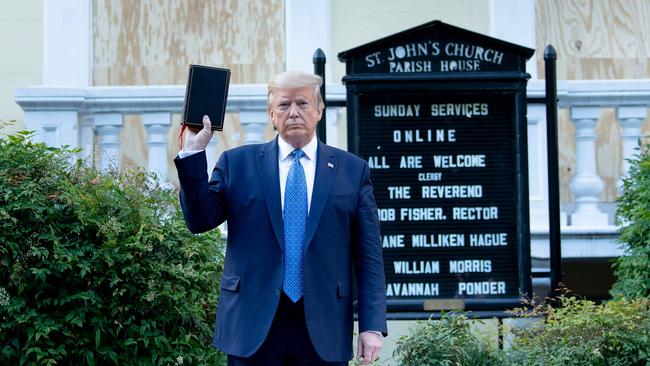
(295, 113)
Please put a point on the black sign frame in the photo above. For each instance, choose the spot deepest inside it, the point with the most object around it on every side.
(437, 65)
(436, 86)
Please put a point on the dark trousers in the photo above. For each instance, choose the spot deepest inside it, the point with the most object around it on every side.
(287, 343)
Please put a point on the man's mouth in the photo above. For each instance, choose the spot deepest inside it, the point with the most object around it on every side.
(295, 125)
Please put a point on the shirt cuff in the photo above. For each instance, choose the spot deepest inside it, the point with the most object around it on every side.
(185, 153)
(376, 332)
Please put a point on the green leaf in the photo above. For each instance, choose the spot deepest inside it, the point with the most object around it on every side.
(113, 356)
(90, 358)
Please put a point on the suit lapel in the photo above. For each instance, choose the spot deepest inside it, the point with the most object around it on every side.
(325, 172)
(267, 163)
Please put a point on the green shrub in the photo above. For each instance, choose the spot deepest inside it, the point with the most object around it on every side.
(633, 212)
(99, 268)
(577, 333)
(448, 341)
(580, 332)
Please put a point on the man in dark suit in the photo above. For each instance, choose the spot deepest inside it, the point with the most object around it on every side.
(302, 220)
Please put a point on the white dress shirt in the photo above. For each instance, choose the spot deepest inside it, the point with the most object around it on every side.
(308, 162)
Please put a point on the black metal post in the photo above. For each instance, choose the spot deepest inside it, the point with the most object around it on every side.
(555, 240)
(319, 60)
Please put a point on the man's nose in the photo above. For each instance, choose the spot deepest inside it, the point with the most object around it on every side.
(293, 110)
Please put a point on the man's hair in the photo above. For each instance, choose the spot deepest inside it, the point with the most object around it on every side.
(296, 79)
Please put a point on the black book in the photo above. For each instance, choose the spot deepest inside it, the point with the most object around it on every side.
(206, 93)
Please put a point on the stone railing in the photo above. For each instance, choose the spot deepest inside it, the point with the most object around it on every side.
(81, 117)
(587, 227)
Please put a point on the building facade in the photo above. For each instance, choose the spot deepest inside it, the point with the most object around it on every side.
(108, 76)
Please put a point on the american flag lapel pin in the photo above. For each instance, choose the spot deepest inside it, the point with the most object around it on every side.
(330, 165)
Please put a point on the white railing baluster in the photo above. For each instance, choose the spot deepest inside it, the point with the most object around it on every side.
(108, 127)
(87, 139)
(586, 185)
(157, 126)
(631, 119)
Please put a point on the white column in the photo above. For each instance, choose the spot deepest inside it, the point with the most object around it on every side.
(54, 128)
(108, 127)
(67, 42)
(537, 166)
(586, 185)
(52, 113)
(631, 119)
(538, 169)
(157, 126)
(514, 21)
(253, 122)
(307, 27)
(87, 139)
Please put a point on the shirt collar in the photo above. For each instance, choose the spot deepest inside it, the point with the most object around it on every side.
(284, 149)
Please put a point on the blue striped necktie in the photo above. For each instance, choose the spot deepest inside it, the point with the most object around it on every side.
(295, 222)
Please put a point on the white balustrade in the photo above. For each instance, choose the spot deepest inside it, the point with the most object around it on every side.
(586, 185)
(75, 116)
(52, 113)
(87, 139)
(50, 127)
(631, 119)
(157, 125)
(108, 127)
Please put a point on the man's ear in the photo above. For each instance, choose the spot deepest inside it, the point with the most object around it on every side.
(269, 111)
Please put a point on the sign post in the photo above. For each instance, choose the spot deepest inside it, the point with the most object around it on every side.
(439, 114)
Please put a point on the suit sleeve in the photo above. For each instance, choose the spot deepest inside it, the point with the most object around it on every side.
(368, 260)
(203, 202)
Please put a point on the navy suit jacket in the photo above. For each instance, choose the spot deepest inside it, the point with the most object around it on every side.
(342, 234)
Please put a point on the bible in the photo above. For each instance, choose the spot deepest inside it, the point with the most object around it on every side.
(206, 93)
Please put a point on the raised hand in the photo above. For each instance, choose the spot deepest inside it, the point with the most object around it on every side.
(198, 140)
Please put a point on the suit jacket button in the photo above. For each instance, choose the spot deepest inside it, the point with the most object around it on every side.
(277, 291)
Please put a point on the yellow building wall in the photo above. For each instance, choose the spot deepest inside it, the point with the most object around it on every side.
(361, 21)
(21, 24)
(594, 39)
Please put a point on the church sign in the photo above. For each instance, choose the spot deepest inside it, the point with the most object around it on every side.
(439, 114)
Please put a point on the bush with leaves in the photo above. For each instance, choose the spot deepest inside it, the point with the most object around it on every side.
(633, 214)
(581, 332)
(575, 333)
(448, 341)
(99, 268)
